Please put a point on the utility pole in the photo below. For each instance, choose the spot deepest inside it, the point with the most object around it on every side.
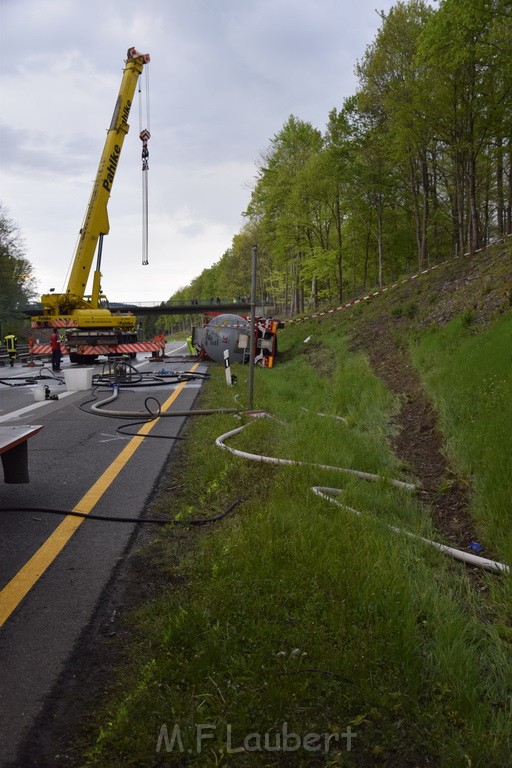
(252, 329)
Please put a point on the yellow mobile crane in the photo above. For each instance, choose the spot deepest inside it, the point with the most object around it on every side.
(91, 328)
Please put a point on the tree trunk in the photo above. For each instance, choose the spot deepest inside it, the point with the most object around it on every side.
(500, 200)
(380, 236)
(508, 214)
(366, 259)
(474, 224)
(339, 262)
(459, 182)
(426, 210)
(416, 208)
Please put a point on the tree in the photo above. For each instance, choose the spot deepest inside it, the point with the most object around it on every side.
(466, 47)
(278, 203)
(415, 165)
(17, 283)
(394, 93)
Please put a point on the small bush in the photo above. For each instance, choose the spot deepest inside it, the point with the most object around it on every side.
(409, 310)
(467, 318)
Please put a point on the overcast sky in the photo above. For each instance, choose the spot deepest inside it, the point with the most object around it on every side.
(224, 77)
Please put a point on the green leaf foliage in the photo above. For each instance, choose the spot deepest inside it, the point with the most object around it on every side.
(16, 279)
(414, 167)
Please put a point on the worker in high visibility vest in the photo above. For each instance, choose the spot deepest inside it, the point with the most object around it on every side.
(191, 349)
(10, 345)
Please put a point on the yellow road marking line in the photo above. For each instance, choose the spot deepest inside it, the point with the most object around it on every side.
(19, 586)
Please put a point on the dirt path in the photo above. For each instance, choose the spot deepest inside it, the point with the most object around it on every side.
(418, 441)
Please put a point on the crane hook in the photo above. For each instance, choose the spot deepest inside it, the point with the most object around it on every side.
(144, 137)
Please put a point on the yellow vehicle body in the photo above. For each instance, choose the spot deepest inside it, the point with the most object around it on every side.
(75, 309)
(85, 318)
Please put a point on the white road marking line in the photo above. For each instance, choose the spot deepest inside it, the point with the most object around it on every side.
(33, 407)
(183, 346)
(113, 437)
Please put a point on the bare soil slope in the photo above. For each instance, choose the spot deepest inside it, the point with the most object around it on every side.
(480, 287)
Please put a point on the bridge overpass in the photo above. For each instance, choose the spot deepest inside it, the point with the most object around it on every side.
(142, 309)
(198, 307)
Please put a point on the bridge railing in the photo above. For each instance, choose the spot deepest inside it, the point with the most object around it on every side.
(211, 302)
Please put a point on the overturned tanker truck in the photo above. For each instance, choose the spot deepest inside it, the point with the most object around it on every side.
(222, 332)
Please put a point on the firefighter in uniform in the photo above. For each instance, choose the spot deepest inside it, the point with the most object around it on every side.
(10, 345)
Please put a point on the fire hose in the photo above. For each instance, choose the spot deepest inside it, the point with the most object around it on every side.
(329, 493)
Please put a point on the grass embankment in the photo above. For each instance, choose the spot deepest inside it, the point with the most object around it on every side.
(468, 373)
(295, 616)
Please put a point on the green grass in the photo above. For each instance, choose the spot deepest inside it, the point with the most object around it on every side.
(295, 611)
(469, 376)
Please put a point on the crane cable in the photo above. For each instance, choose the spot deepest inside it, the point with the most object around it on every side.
(144, 135)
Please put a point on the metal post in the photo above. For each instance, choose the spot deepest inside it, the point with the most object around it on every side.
(252, 337)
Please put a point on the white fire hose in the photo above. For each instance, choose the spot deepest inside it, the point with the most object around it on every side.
(328, 493)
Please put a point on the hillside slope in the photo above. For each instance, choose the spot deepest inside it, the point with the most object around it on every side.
(479, 290)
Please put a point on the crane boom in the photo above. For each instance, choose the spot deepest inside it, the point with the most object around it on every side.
(91, 328)
(96, 223)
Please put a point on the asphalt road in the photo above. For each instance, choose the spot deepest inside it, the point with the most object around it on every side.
(52, 602)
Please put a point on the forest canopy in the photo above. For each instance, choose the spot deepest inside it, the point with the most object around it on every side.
(415, 166)
(17, 283)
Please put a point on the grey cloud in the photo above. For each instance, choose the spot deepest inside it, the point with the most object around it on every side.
(225, 76)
